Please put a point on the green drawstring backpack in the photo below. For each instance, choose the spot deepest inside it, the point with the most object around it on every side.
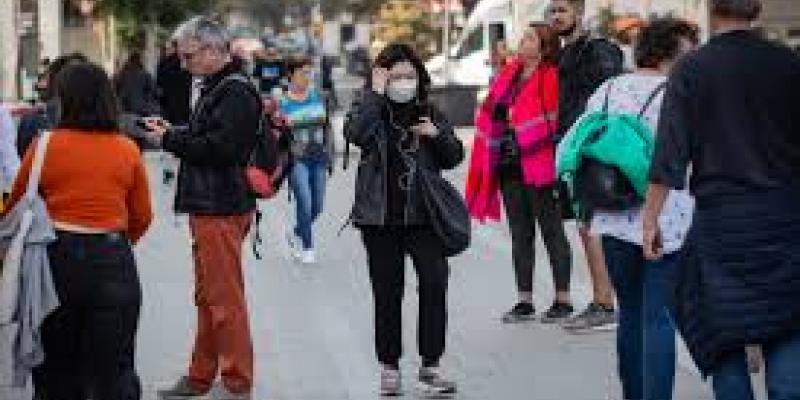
(605, 162)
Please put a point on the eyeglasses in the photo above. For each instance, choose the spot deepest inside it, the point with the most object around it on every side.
(189, 56)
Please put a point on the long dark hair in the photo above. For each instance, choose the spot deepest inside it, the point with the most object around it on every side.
(86, 98)
(56, 67)
(399, 52)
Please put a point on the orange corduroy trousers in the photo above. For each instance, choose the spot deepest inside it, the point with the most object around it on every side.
(223, 343)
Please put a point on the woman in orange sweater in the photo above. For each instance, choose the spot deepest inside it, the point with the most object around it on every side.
(96, 190)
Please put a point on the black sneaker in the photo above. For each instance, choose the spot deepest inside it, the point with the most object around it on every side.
(521, 312)
(557, 312)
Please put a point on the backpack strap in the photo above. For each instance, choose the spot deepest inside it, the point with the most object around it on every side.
(608, 95)
(652, 98)
(38, 163)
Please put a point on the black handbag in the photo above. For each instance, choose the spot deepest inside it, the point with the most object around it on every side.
(448, 212)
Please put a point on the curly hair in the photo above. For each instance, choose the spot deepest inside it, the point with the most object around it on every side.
(660, 40)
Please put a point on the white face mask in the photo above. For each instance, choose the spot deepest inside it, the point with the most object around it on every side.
(402, 90)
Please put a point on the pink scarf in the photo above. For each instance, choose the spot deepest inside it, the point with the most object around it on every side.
(534, 129)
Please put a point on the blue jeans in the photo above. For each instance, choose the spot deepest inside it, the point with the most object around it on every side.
(308, 185)
(646, 335)
(782, 358)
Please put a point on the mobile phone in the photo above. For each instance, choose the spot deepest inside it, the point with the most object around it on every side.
(142, 122)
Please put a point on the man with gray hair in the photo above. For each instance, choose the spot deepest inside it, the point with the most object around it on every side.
(730, 113)
(212, 190)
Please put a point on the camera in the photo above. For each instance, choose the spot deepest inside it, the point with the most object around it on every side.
(500, 113)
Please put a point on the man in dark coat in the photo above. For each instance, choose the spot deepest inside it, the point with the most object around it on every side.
(212, 189)
(586, 62)
(174, 94)
(730, 114)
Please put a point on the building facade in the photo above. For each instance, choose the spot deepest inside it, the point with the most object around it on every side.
(35, 30)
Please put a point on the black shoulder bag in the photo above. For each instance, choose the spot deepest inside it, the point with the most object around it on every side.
(446, 209)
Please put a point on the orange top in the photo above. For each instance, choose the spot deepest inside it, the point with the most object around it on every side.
(91, 180)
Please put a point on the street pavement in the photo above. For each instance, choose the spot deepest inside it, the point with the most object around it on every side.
(312, 325)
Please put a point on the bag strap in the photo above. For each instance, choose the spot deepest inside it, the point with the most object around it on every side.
(38, 163)
(608, 95)
(515, 88)
(652, 98)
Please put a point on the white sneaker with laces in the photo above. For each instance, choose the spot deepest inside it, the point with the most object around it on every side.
(391, 381)
(432, 385)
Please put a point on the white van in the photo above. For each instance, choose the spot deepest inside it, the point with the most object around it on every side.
(490, 21)
(470, 57)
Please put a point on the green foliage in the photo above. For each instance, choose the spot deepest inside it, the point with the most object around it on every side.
(135, 17)
(359, 8)
(606, 19)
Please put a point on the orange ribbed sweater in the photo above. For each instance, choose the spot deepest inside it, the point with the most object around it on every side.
(93, 180)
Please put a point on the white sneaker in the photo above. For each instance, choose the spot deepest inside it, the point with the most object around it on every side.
(391, 381)
(293, 242)
(432, 385)
(308, 256)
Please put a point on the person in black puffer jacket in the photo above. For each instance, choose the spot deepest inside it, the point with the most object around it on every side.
(399, 132)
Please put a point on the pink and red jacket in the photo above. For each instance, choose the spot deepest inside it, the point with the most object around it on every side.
(533, 117)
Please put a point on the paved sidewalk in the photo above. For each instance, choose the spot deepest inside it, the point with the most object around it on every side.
(312, 324)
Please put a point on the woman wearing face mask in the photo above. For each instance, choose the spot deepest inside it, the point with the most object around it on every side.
(513, 155)
(399, 133)
(304, 109)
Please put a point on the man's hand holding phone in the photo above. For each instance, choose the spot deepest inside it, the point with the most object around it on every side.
(155, 126)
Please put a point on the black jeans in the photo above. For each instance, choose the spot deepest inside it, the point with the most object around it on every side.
(525, 205)
(89, 341)
(387, 248)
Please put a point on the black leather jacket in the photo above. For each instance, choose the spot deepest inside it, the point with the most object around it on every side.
(214, 148)
(367, 126)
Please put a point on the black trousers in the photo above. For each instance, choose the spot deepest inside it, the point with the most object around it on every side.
(387, 248)
(89, 341)
(525, 205)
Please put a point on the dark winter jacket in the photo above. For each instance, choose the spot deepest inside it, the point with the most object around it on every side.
(215, 147)
(584, 65)
(174, 90)
(44, 117)
(137, 92)
(369, 126)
